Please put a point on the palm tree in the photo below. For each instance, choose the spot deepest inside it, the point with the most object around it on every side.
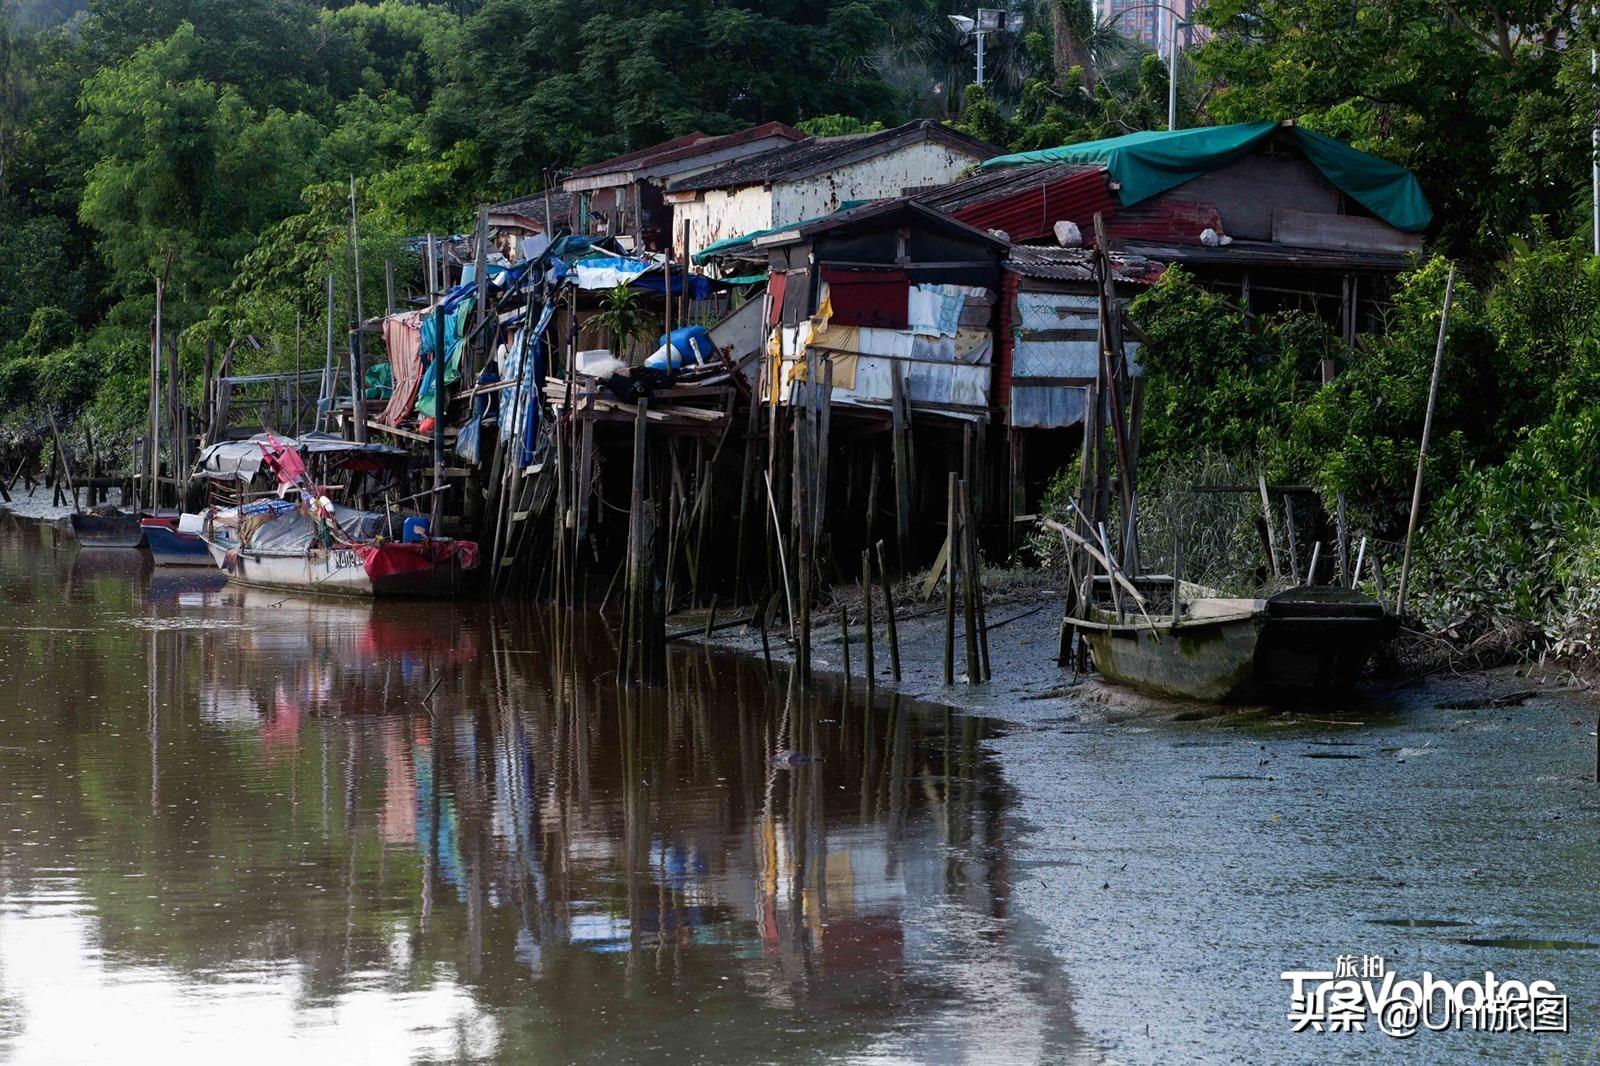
(624, 318)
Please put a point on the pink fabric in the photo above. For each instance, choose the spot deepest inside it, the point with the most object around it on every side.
(402, 335)
(285, 462)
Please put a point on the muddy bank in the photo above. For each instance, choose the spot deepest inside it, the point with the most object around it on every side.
(1027, 686)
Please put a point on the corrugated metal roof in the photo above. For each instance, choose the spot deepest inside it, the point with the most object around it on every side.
(792, 161)
(685, 147)
(1027, 202)
(1077, 264)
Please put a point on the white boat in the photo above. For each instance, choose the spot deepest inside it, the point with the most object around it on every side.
(276, 545)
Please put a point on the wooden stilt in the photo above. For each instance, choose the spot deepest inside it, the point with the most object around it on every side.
(950, 583)
(902, 472)
(969, 599)
(888, 608)
(866, 620)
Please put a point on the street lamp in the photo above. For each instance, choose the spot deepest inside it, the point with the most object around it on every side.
(989, 20)
(1172, 53)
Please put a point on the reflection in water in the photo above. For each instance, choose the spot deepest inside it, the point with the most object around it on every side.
(236, 820)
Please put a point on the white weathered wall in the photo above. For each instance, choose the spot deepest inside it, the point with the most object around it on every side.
(721, 213)
(915, 165)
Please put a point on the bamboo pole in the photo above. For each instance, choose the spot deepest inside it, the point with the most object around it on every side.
(1427, 432)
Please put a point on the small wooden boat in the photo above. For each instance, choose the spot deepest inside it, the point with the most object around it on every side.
(107, 529)
(171, 547)
(1310, 640)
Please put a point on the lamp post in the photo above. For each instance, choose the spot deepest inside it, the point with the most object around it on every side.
(989, 20)
(1172, 58)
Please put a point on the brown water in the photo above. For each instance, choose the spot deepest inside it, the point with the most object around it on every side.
(230, 827)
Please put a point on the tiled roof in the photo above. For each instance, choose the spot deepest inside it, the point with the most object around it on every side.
(685, 147)
(793, 161)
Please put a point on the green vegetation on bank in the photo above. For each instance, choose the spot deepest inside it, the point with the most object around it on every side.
(223, 136)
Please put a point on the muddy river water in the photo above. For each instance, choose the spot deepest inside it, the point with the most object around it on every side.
(250, 827)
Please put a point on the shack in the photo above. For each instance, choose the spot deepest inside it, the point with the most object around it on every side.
(622, 196)
(1048, 358)
(813, 178)
(1272, 213)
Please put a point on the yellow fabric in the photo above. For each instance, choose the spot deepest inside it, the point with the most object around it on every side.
(844, 369)
(837, 338)
(774, 366)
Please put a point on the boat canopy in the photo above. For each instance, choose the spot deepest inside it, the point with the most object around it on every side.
(241, 460)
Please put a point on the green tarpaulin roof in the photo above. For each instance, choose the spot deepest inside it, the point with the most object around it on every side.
(1148, 163)
(744, 240)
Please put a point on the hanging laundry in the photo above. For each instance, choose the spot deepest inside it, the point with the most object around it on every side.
(868, 297)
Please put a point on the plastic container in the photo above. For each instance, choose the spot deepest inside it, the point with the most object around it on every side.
(414, 530)
(689, 346)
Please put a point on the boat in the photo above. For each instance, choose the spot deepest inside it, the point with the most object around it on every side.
(275, 544)
(169, 547)
(108, 528)
(1311, 640)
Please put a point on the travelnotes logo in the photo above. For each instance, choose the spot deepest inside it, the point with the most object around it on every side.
(1361, 990)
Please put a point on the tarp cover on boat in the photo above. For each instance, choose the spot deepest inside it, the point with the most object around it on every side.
(294, 532)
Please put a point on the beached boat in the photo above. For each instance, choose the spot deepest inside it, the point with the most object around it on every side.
(272, 544)
(1310, 640)
(170, 547)
(107, 529)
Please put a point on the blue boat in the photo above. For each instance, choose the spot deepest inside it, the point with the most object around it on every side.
(169, 547)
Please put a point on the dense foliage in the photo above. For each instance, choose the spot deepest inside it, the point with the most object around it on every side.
(219, 144)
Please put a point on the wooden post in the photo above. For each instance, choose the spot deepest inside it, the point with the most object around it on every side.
(441, 359)
(1114, 362)
(1345, 577)
(950, 582)
(480, 275)
(1177, 580)
(388, 285)
(844, 643)
(1422, 452)
(329, 377)
(1316, 557)
(1017, 441)
(66, 467)
(866, 608)
(1290, 538)
(632, 624)
(902, 467)
(824, 401)
(969, 599)
(358, 370)
(888, 608)
(154, 467)
(1266, 515)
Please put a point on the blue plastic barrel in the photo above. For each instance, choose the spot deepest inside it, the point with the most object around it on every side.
(414, 530)
(691, 346)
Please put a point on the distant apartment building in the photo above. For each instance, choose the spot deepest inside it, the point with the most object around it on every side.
(1150, 24)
